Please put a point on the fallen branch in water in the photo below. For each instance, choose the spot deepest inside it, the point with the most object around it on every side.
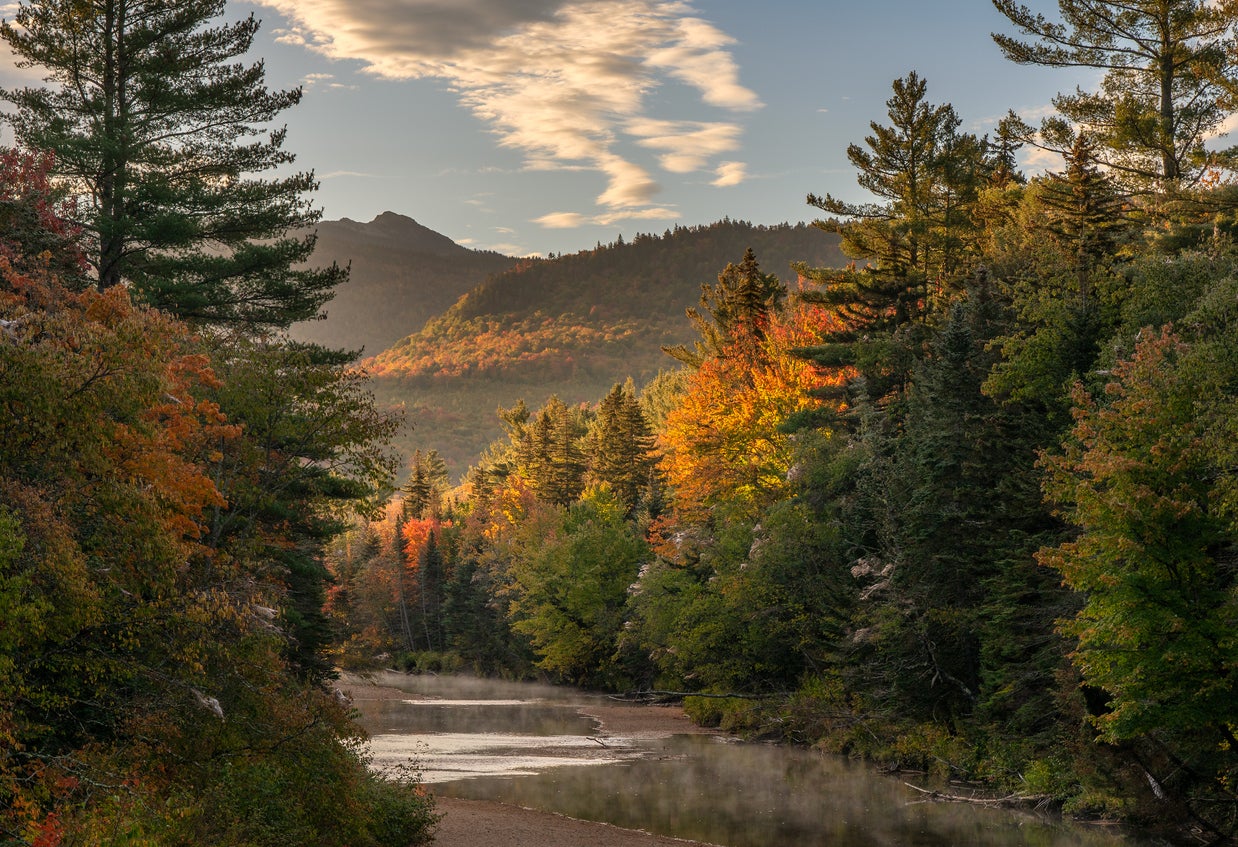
(1037, 801)
(679, 695)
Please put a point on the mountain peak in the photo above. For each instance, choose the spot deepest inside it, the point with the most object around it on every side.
(391, 229)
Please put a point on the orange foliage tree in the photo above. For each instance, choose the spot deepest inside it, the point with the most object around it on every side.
(723, 442)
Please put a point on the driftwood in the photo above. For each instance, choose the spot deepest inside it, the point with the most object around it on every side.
(679, 695)
(1036, 801)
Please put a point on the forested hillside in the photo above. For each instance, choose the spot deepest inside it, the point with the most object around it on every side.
(571, 326)
(401, 274)
(967, 506)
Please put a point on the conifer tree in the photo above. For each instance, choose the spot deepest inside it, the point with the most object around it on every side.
(426, 482)
(158, 132)
(738, 306)
(1169, 82)
(1085, 211)
(622, 446)
(926, 175)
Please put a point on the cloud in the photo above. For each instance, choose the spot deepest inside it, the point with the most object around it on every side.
(730, 173)
(1036, 161)
(511, 249)
(566, 82)
(311, 80)
(571, 220)
(688, 145)
(1230, 124)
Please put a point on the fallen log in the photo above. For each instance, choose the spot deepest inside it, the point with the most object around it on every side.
(1036, 801)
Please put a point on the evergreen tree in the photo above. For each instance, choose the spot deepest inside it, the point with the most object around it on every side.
(916, 242)
(157, 132)
(430, 573)
(621, 449)
(427, 481)
(737, 307)
(1169, 80)
(926, 175)
(1077, 226)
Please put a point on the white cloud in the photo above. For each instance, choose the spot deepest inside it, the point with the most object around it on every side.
(730, 173)
(1036, 161)
(688, 145)
(1230, 124)
(562, 220)
(314, 80)
(566, 82)
(571, 220)
(511, 249)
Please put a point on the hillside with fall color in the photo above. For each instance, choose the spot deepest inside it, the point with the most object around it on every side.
(571, 326)
(401, 274)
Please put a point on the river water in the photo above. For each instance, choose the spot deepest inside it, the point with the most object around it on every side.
(529, 745)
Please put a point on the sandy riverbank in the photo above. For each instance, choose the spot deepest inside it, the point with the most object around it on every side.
(483, 823)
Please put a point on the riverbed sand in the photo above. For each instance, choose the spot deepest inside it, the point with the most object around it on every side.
(485, 823)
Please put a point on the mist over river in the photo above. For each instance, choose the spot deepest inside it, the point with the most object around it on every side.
(577, 754)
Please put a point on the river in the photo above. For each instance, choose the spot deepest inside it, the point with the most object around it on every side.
(534, 746)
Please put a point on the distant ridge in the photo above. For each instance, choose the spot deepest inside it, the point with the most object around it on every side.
(392, 231)
(572, 326)
(403, 273)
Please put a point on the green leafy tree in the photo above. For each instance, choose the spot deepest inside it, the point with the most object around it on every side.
(157, 133)
(1169, 80)
(569, 595)
(1149, 500)
(1148, 478)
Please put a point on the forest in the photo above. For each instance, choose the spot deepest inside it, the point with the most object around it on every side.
(965, 506)
(172, 468)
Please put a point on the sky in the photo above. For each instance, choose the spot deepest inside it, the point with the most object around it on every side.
(534, 127)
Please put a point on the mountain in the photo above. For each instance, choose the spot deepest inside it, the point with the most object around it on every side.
(572, 326)
(403, 273)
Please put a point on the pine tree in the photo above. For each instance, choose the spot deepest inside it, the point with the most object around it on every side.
(736, 308)
(427, 481)
(1169, 80)
(1086, 211)
(926, 175)
(157, 131)
(621, 453)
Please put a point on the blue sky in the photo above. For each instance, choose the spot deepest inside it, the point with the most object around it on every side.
(545, 126)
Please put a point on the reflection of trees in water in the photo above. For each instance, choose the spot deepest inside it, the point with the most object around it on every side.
(703, 787)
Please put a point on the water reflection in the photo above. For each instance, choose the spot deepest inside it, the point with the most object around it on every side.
(706, 788)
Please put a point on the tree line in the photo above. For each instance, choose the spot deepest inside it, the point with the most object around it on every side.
(966, 505)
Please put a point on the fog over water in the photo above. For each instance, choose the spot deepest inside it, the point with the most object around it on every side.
(529, 745)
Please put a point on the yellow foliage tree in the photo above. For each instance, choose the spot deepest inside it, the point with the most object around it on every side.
(723, 441)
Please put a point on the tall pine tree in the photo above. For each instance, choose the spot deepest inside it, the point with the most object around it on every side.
(158, 132)
(1169, 80)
